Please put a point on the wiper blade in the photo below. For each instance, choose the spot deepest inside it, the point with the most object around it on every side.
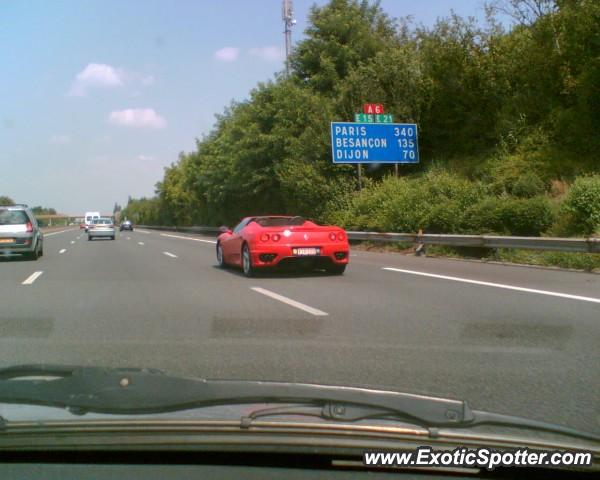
(145, 391)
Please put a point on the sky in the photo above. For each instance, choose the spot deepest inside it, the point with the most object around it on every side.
(98, 96)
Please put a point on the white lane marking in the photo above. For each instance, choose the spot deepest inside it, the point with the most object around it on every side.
(141, 243)
(169, 254)
(188, 238)
(72, 242)
(497, 285)
(63, 250)
(32, 278)
(128, 238)
(142, 231)
(289, 301)
(56, 233)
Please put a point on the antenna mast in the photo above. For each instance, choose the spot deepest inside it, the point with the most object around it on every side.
(287, 14)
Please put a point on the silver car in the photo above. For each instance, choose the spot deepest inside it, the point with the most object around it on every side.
(101, 228)
(19, 232)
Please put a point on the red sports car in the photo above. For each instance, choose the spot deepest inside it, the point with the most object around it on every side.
(270, 241)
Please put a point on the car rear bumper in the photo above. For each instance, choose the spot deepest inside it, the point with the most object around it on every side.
(101, 233)
(282, 255)
(22, 243)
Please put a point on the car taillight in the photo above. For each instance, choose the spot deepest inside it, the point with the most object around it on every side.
(341, 236)
(276, 237)
(264, 237)
(29, 227)
(332, 236)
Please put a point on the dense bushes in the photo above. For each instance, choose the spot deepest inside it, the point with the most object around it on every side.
(583, 204)
(439, 202)
(526, 216)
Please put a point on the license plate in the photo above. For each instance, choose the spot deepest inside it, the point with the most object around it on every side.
(305, 251)
(7, 240)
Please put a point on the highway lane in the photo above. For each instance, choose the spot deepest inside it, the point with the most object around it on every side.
(157, 299)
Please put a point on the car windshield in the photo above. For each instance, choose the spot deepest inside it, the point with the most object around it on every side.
(385, 194)
(279, 221)
(13, 217)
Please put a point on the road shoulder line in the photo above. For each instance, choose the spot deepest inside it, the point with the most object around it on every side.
(49, 234)
(496, 285)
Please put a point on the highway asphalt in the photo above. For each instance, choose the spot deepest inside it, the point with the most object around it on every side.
(517, 340)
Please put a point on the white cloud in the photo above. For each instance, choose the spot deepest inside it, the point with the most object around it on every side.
(270, 53)
(60, 139)
(227, 54)
(137, 117)
(145, 158)
(96, 75)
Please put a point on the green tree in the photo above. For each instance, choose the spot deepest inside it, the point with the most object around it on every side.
(341, 35)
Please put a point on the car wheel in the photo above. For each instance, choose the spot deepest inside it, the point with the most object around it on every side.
(336, 269)
(247, 261)
(34, 255)
(220, 259)
(112, 238)
(89, 238)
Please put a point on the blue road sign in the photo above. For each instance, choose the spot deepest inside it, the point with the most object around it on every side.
(374, 142)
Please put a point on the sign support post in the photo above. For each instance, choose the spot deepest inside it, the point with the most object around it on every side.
(360, 177)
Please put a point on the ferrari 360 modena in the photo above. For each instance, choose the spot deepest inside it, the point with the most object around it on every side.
(283, 241)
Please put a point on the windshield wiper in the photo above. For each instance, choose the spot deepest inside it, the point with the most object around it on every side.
(144, 391)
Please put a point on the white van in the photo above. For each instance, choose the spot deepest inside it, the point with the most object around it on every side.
(89, 219)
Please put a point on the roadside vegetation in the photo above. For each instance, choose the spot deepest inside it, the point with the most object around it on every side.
(509, 128)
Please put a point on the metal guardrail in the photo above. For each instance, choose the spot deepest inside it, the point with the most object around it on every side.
(580, 245)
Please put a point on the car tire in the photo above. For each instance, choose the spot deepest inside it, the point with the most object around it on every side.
(220, 258)
(247, 267)
(89, 238)
(34, 255)
(336, 269)
(112, 238)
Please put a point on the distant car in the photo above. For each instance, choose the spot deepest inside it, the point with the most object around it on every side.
(277, 241)
(101, 228)
(126, 225)
(82, 225)
(89, 218)
(19, 232)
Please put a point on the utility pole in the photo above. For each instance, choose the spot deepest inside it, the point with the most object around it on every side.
(287, 14)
